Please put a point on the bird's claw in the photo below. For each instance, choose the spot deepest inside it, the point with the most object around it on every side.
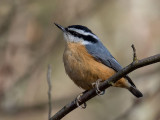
(78, 100)
(96, 85)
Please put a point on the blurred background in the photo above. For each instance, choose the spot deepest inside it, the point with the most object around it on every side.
(29, 41)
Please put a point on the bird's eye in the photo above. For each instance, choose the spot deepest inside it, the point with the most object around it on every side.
(75, 33)
(66, 29)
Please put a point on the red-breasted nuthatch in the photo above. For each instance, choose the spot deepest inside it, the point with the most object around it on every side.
(87, 60)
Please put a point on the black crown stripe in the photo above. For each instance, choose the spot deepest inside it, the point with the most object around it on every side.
(80, 27)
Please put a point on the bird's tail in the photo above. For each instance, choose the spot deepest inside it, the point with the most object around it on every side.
(135, 91)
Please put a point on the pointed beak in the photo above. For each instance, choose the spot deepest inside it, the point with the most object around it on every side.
(60, 27)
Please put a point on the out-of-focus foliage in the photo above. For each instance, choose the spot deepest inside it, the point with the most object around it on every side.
(29, 41)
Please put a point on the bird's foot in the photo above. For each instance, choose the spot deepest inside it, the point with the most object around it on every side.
(96, 85)
(78, 100)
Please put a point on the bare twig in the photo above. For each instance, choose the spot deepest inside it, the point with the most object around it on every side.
(134, 53)
(92, 93)
(49, 90)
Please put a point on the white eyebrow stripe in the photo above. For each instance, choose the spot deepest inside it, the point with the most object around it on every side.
(83, 32)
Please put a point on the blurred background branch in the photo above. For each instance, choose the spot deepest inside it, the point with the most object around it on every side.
(49, 91)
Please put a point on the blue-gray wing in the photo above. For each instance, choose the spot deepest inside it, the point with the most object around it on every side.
(101, 54)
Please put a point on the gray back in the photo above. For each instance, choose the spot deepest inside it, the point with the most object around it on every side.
(101, 54)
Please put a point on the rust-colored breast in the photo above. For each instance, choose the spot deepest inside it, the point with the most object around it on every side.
(83, 69)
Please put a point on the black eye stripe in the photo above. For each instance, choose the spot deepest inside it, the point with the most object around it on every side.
(85, 37)
(90, 39)
(74, 33)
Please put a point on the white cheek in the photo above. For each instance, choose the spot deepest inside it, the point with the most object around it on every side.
(65, 37)
(71, 38)
(68, 38)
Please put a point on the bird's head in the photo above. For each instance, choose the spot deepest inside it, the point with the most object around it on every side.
(78, 34)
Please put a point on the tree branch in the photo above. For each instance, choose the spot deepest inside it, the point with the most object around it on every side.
(92, 93)
(134, 53)
(49, 91)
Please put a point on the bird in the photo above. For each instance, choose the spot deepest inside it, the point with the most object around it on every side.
(87, 60)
